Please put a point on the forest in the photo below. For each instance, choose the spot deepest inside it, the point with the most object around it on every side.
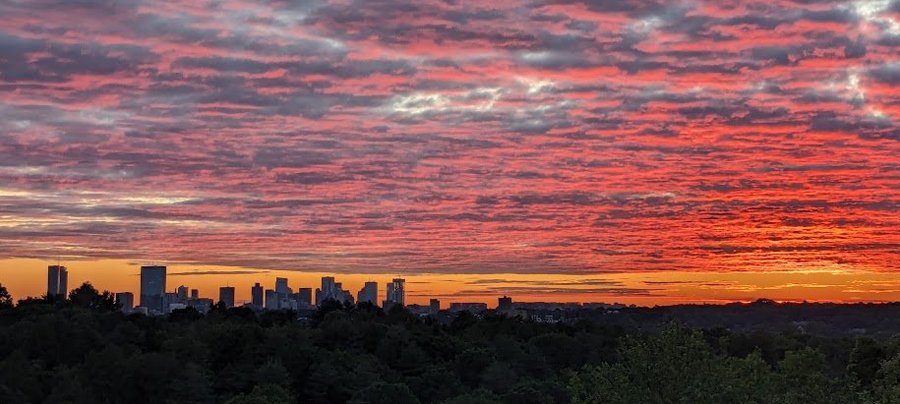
(82, 349)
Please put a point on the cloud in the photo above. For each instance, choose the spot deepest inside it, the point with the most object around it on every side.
(548, 137)
(216, 272)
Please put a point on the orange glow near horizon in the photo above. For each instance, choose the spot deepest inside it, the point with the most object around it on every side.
(26, 277)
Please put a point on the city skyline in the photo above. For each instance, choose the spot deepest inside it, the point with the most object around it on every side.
(676, 288)
(642, 152)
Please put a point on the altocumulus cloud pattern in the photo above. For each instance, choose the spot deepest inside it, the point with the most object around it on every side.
(453, 136)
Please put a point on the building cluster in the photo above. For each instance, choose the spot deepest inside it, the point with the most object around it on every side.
(155, 300)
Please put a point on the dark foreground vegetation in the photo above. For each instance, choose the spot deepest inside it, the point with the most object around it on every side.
(82, 350)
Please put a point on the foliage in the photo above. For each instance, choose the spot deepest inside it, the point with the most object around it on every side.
(80, 350)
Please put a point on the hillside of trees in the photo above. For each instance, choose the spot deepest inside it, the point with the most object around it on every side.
(83, 350)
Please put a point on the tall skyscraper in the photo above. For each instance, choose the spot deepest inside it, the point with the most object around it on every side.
(195, 294)
(57, 280)
(328, 291)
(226, 295)
(396, 291)
(153, 287)
(281, 287)
(369, 293)
(125, 301)
(256, 296)
(63, 282)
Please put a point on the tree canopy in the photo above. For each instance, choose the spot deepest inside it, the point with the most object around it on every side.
(82, 350)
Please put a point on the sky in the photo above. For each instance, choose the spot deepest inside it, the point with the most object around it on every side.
(635, 151)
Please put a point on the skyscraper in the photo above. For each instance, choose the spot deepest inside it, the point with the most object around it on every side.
(504, 303)
(195, 294)
(281, 287)
(396, 291)
(226, 295)
(304, 296)
(328, 291)
(57, 280)
(153, 287)
(369, 293)
(181, 294)
(256, 296)
(272, 301)
(63, 282)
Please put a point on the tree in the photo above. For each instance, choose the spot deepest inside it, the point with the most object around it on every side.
(384, 393)
(88, 297)
(887, 384)
(6, 300)
(264, 394)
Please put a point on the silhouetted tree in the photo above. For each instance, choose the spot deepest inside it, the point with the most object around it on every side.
(384, 393)
(88, 297)
(6, 300)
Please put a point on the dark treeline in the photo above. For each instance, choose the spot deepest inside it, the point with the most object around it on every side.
(875, 320)
(82, 350)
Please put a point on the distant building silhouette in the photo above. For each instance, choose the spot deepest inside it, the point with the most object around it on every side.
(470, 307)
(226, 295)
(396, 291)
(200, 304)
(272, 300)
(304, 296)
(504, 303)
(368, 294)
(434, 306)
(332, 290)
(125, 301)
(256, 296)
(282, 288)
(153, 288)
(57, 281)
(195, 294)
(181, 293)
(170, 302)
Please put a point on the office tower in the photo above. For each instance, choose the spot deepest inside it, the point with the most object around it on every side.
(125, 301)
(57, 280)
(434, 306)
(304, 296)
(195, 294)
(346, 296)
(63, 282)
(182, 294)
(369, 293)
(327, 283)
(504, 303)
(272, 301)
(226, 295)
(281, 287)
(396, 292)
(256, 296)
(328, 291)
(153, 288)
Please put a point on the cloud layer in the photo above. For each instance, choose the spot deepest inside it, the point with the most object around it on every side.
(432, 136)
